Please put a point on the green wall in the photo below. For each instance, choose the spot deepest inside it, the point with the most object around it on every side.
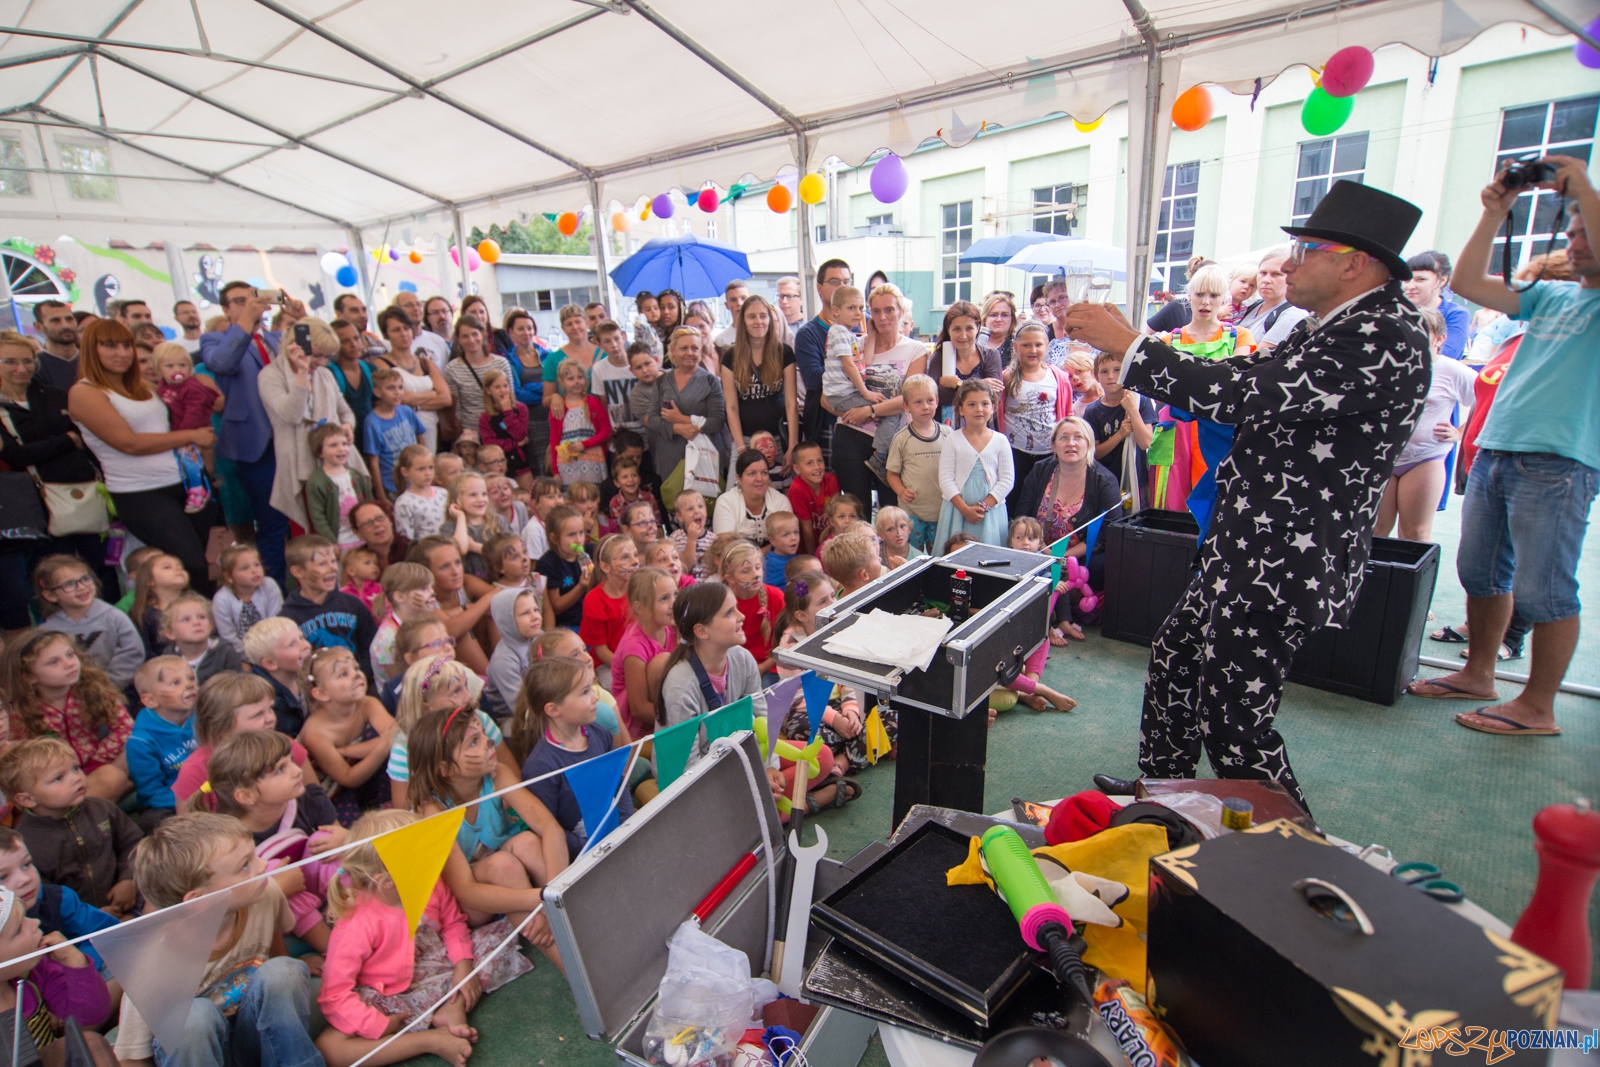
(1378, 110)
(1485, 91)
(918, 285)
(1057, 168)
(1204, 144)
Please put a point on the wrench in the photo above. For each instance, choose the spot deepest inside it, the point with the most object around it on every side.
(805, 880)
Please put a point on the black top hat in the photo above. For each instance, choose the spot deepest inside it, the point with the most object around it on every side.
(1360, 216)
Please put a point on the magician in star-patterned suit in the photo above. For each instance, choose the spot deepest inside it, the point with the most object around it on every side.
(1319, 422)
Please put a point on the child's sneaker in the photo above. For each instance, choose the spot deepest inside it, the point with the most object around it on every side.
(195, 500)
(878, 467)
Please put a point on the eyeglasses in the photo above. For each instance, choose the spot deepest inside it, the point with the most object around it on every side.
(1300, 246)
(444, 642)
(72, 583)
(367, 524)
(28, 362)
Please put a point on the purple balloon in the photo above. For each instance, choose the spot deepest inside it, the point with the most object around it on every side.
(889, 179)
(661, 206)
(1586, 55)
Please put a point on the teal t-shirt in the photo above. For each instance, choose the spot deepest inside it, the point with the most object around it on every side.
(552, 364)
(1546, 401)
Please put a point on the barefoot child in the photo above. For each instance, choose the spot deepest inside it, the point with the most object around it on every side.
(420, 511)
(69, 592)
(379, 975)
(347, 732)
(55, 691)
(1028, 536)
(229, 703)
(186, 625)
(494, 867)
(244, 596)
(914, 459)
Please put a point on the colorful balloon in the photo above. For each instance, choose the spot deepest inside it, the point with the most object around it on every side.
(889, 179)
(779, 199)
(1347, 71)
(1088, 127)
(567, 223)
(1584, 54)
(347, 276)
(707, 200)
(332, 261)
(1322, 114)
(813, 189)
(455, 255)
(408, 286)
(415, 256)
(473, 260)
(661, 206)
(620, 222)
(489, 250)
(1192, 110)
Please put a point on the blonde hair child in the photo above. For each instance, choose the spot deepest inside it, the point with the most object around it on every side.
(378, 977)
(892, 526)
(420, 509)
(475, 520)
(245, 594)
(605, 607)
(431, 683)
(743, 572)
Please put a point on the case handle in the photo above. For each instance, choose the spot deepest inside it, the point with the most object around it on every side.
(1316, 887)
(1006, 672)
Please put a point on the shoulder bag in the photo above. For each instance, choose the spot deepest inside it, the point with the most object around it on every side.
(72, 507)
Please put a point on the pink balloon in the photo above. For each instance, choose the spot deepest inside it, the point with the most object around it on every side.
(455, 255)
(474, 261)
(1347, 71)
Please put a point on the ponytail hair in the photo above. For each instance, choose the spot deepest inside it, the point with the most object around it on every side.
(549, 681)
(361, 869)
(696, 605)
(797, 598)
(642, 586)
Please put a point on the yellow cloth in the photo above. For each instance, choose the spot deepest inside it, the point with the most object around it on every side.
(877, 738)
(1121, 854)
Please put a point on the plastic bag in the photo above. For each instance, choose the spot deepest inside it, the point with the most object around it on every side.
(706, 1002)
(1203, 811)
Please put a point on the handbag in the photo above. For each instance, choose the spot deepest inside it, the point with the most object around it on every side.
(71, 507)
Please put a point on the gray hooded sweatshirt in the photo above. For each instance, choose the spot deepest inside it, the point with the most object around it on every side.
(510, 659)
(108, 636)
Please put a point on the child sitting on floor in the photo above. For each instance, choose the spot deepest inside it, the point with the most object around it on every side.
(347, 732)
(559, 720)
(186, 625)
(55, 691)
(229, 703)
(244, 596)
(432, 682)
(70, 594)
(163, 734)
(274, 650)
(408, 593)
(62, 985)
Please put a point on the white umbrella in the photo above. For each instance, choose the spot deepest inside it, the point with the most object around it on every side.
(1053, 257)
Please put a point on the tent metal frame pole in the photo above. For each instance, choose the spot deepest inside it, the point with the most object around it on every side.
(461, 256)
(1510, 676)
(1571, 26)
(1139, 283)
(358, 259)
(802, 240)
(602, 254)
(121, 17)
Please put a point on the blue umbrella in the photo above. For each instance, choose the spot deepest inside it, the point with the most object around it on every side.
(695, 267)
(1001, 248)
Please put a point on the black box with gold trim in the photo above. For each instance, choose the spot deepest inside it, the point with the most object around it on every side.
(1272, 947)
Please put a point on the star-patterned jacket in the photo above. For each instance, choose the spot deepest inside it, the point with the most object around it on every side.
(1320, 421)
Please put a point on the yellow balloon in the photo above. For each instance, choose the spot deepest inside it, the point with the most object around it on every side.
(813, 189)
(1088, 127)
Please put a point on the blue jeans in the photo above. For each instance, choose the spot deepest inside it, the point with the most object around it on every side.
(269, 1030)
(1522, 530)
(272, 525)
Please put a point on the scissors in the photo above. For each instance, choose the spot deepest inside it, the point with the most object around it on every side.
(1424, 877)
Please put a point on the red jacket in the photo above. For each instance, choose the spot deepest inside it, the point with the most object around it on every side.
(515, 422)
(598, 418)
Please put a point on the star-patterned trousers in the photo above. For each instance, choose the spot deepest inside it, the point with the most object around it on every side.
(1216, 675)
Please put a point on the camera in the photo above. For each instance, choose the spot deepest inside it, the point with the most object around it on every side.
(1527, 171)
(271, 296)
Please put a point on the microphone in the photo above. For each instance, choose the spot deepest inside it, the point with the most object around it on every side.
(1046, 926)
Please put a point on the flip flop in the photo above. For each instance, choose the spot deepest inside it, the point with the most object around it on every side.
(1448, 635)
(1451, 692)
(1505, 653)
(1514, 728)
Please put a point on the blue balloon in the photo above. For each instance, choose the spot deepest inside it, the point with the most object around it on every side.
(346, 276)
(408, 287)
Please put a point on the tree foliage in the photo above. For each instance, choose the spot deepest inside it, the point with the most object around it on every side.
(538, 236)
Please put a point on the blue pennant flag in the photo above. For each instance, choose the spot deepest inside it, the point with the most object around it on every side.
(1091, 533)
(817, 690)
(594, 783)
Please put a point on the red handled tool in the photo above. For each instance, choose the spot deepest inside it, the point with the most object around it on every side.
(702, 911)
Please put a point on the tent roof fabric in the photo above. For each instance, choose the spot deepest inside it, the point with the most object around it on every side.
(317, 113)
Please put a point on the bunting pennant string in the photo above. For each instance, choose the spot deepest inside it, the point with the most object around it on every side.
(673, 746)
(594, 783)
(415, 855)
(817, 689)
(731, 718)
(780, 698)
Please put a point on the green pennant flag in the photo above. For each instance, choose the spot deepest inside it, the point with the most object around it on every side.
(1058, 549)
(672, 748)
(731, 718)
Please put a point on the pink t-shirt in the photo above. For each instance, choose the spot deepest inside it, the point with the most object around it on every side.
(635, 642)
(197, 768)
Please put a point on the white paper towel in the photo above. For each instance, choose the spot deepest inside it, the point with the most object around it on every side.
(905, 641)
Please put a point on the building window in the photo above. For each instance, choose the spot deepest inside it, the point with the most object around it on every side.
(880, 220)
(13, 172)
(711, 229)
(1322, 163)
(1565, 127)
(1056, 208)
(957, 236)
(1180, 189)
(88, 170)
(822, 235)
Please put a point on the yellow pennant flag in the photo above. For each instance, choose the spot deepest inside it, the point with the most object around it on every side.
(415, 857)
(875, 737)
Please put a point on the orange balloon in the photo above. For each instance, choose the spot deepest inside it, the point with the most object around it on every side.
(620, 222)
(1192, 110)
(415, 256)
(567, 223)
(779, 199)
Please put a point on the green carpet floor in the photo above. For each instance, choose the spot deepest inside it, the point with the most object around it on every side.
(1405, 776)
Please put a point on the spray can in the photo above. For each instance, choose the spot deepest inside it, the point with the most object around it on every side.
(960, 597)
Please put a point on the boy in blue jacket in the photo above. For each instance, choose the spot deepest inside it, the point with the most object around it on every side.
(58, 909)
(163, 734)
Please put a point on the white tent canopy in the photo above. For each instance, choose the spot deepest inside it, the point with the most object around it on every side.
(335, 115)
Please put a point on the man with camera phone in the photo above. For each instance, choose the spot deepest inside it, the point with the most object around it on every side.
(1530, 488)
(236, 357)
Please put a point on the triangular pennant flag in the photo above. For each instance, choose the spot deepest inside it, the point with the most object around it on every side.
(730, 719)
(159, 961)
(672, 748)
(780, 698)
(415, 855)
(818, 689)
(595, 783)
(1058, 549)
(1091, 533)
(875, 737)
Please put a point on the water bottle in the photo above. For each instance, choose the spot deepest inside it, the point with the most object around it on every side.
(960, 597)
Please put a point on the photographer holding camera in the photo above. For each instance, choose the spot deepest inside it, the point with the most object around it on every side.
(236, 356)
(1529, 491)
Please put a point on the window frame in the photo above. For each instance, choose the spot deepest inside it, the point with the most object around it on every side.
(81, 182)
(1168, 271)
(1521, 221)
(1336, 143)
(15, 170)
(1067, 213)
(958, 285)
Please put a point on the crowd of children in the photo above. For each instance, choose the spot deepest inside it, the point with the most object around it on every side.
(175, 745)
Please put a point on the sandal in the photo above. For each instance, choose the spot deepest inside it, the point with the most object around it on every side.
(844, 791)
(1507, 651)
(1511, 727)
(1451, 692)
(1448, 635)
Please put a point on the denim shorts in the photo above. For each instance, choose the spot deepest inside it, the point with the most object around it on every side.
(1522, 528)
(922, 535)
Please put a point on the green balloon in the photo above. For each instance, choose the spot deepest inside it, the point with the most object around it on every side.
(1322, 114)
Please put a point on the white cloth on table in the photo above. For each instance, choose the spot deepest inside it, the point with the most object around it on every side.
(905, 641)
